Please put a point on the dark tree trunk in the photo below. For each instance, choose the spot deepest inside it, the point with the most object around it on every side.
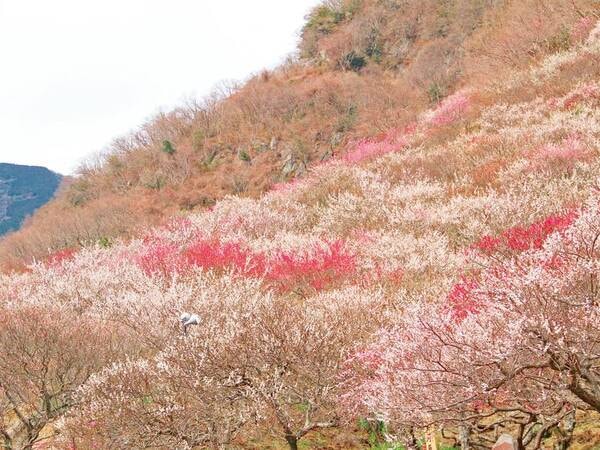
(410, 441)
(292, 441)
(519, 440)
(588, 394)
(566, 432)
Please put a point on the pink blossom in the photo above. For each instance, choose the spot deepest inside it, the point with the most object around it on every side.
(449, 110)
(564, 154)
(582, 29)
(392, 141)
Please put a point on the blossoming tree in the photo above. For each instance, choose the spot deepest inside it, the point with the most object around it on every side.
(517, 343)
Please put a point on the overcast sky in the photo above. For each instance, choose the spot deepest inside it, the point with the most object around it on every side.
(74, 74)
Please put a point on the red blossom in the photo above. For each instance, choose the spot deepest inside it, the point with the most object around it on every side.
(211, 254)
(521, 238)
(579, 95)
(460, 299)
(533, 236)
(60, 256)
(488, 244)
(319, 266)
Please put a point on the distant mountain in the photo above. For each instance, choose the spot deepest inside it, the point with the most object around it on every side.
(23, 189)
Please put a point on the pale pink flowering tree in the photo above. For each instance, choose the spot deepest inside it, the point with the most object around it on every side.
(582, 29)
(519, 341)
(560, 156)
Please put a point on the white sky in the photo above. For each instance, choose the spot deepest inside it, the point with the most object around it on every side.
(74, 74)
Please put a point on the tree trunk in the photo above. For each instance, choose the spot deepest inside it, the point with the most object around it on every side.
(6, 442)
(519, 440)
(464, 435)
(566, 432)
(410, 441)
(580, 387)
(292, 441)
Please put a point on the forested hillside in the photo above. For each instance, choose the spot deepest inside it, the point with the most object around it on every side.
(23, 189)
(412, 254)
(363, 66)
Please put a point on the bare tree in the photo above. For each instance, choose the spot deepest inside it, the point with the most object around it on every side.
(46, 353)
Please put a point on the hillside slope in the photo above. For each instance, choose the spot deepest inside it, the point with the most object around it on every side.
(23, 189)
(362, 68)
(439, 278)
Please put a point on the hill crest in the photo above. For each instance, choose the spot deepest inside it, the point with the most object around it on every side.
(24, 189)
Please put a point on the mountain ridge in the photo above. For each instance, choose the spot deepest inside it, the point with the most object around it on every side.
(24, 189)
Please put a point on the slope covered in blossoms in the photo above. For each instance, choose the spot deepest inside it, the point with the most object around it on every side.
(362, 67)
(442, 275)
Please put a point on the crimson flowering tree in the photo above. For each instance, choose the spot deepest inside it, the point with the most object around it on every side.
(518, 341)
(315, 268)
(521, 238)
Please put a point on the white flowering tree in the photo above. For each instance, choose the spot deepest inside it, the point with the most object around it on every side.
(246, 366)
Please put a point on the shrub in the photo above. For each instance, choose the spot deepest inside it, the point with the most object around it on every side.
(198, 140)
(353, 61)
(239, 184)
(559, 42)
(105, 242)
(244, 156)
(348, 120)
(435, 93)
(324, 19)
(167, 147)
